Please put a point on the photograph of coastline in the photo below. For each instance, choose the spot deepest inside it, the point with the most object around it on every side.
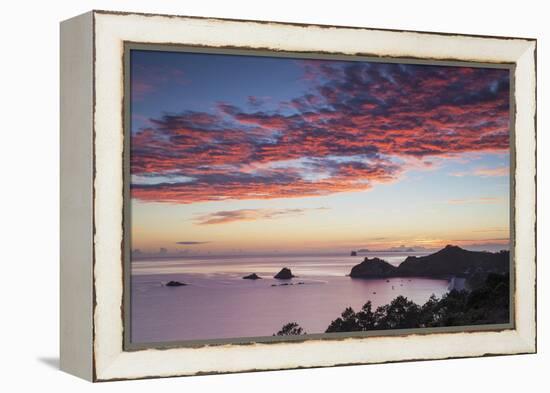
(281, 196)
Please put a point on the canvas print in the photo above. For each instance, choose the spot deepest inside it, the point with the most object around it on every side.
(283, 197)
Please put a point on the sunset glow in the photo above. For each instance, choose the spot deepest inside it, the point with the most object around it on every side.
(245, 154)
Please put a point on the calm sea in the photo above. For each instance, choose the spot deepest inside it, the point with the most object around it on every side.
(218, 303)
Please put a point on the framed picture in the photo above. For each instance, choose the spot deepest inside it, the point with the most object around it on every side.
(245, 195)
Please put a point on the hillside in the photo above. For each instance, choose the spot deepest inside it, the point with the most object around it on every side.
(449, 261)
(373, 268)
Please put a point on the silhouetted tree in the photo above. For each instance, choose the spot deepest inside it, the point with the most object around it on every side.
(291, 329)
(348, 322)
(366, 318)
(401, 313)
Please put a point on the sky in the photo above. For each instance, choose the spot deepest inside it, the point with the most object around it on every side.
(247, 154)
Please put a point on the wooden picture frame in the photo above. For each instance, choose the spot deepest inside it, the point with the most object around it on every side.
(94, 289)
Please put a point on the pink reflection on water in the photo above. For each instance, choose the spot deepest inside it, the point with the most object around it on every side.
(218, 303)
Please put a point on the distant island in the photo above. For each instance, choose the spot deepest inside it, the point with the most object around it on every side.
(252, 276)
(175, 284)
(391, 249)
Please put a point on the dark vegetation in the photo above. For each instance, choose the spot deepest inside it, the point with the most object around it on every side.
(291, 329)
(488, 304)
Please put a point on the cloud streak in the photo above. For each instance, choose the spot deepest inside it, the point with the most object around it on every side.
(230, 216)
(484, 201)
(485, 172)
(491, 172)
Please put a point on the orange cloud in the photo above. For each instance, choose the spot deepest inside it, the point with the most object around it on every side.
(488, 172)
(229, 216)
(485, 172)
(486, 200)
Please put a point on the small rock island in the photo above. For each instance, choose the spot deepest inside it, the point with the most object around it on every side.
(175, 284)
(252, 276)
(284, 274)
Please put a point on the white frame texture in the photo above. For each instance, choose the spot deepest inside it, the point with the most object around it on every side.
(92, 195)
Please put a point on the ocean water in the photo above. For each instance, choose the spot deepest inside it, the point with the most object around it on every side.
(218, 303)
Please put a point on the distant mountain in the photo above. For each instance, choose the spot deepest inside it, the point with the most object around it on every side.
(450, 261)
(395, 249)
(455, 261)
(400, 249)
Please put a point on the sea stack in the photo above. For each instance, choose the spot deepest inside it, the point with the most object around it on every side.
(284, 274)
(354, 253)
(252, 276)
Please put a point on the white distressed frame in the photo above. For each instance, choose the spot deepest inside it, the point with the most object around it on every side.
(111, 30)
